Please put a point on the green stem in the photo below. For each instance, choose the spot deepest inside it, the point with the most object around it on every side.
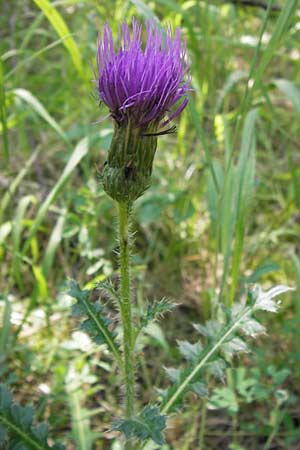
(125, 307)
(202, 424)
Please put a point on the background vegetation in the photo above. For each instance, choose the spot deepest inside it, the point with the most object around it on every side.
(223, 211)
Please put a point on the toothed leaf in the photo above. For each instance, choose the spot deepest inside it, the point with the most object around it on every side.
(235, 345)
(217, 368)
(17, 430)
(252, 328)
(199, 389)
(264, 300)
(210, 330)
(156, 310)
(107, 287)
(191, 352)
(149, 424)
(95, 323)
(173, 374)
(222, 336)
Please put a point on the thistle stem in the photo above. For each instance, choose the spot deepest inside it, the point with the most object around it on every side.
(125, 307)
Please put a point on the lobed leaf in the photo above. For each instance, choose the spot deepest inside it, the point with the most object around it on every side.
(154, 312)
(149, 424)
(190, 352)
(223, 340)
(17, 427)
(95, 323)
(108, 287)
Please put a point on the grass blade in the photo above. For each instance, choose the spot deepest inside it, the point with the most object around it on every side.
(53, 243)
(245, 182)
(63, 31)
(16, 236)
(37, 106)
(291, 91)
(5, 331)
(78, 154)
(16, 182)
(3, 115)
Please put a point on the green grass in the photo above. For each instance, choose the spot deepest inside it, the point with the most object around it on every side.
(223, 210)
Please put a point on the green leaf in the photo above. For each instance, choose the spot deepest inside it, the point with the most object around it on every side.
(221, 335)
(63, 32)
(149, 424)
(173, 374)
(190, 352)
(225, 398)
(210, 330)
(108, 287)
(95, 323)
(290, 89)
(6, 329)
(17, 428)
(3, 115)
(200, 389)
(53, 243)
(217, 369)
(155, 311)
(264, 300)
(37, 106)
(235, 345)
(78, 154)
(251, 327)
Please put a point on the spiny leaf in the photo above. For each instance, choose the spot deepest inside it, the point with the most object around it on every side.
(149, 424)
(16, 426)
(173, 374)
(222, 337)
(217, 368)
(156, 310)
(251, 327)
(264, 300)
(95, 323)
(210, 329)
(200, 389)
(235, 345)
(110, 290)
(190, 352)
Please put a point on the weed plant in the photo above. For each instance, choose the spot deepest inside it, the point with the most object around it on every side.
(220, 219)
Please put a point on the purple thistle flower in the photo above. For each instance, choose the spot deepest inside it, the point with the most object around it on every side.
(145, 87)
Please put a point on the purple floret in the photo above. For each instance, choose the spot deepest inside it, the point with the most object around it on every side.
(146, 86)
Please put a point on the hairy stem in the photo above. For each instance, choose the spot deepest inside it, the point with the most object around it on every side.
(126, 314)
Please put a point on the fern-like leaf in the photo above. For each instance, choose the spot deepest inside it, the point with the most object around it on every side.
(223, 340)
(95, 323)
(109, 289)
(155, 310)
(149, 424)
(17, 430)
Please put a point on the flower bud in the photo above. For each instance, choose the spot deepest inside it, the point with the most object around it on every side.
(127, 171)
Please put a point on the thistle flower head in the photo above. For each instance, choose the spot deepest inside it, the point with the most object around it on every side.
(143, 85)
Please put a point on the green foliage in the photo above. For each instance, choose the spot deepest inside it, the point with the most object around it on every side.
(149, 424)
(62, 30)
(155, 310)
(109, 289)
(247, 388)
(95, 323)
(17, 429)
(82, 434)
(223, 340)
(223, 211)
